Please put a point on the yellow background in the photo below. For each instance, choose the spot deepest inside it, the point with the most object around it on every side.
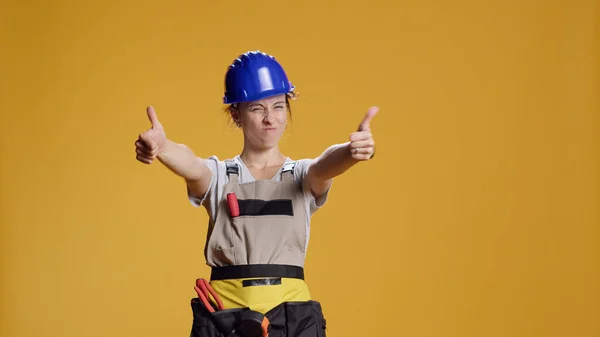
(478, 216)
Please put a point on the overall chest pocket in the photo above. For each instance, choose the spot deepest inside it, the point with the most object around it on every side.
(267, 239)
(263, 228)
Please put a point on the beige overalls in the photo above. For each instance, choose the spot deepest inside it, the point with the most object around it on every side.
(257, 260)
(269, 236)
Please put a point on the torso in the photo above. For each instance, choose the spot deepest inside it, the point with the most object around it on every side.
(275, 238)
(216, 196)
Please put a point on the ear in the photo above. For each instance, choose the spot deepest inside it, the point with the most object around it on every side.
(235, 114)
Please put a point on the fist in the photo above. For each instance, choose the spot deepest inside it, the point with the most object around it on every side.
(362, 145)
(152, 142)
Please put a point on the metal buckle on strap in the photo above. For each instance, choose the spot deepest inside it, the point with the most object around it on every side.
(288, 166)
(231, 168)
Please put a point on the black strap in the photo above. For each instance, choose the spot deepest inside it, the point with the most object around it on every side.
(256, 270)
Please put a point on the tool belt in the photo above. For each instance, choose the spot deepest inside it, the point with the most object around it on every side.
(212, 319)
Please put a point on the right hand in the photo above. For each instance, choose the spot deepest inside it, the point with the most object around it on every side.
(152, 142)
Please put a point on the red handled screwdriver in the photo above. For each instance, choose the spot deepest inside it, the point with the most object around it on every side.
(234, 207)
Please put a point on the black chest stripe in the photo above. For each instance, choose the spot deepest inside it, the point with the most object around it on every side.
(258, 207)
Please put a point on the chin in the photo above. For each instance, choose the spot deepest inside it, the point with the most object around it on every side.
(269, 142)
(269, 145)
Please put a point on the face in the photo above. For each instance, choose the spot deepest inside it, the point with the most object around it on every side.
(263, 121)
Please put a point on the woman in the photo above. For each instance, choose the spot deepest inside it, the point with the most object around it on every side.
(259, 205)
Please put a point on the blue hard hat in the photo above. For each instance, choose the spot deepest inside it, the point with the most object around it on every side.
(255, 75)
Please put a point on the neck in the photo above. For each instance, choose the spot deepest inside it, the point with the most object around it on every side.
(254, 157)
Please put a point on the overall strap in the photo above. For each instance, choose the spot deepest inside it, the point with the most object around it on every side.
(233, 171)
(287, 172)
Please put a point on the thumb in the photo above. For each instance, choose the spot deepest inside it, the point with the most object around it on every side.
(152, 116)
(365, 125)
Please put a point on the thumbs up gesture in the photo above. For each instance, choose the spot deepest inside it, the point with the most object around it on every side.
(150, 143)
(362, 145)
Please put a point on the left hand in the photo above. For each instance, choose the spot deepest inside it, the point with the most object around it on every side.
(362, 145)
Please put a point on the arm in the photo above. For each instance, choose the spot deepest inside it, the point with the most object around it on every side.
(338, 158)
(334, 161)
(176, 157)
(183, 162)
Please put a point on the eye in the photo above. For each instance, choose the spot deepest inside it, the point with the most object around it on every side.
(279, 107)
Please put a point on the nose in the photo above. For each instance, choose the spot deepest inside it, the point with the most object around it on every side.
(268, 116)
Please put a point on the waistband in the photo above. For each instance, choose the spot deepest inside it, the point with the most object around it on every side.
(256, 270)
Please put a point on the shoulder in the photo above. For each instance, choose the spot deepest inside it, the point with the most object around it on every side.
(217, 164)
(301, 166)
(300, 172)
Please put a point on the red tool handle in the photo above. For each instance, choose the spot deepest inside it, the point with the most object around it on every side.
(203, 289)
(234, 206)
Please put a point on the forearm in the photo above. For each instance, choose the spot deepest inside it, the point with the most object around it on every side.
(182, 161)
(334, 161)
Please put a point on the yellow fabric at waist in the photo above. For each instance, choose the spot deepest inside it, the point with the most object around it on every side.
(261, 298)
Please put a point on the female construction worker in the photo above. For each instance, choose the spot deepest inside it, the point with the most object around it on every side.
(259, 204)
